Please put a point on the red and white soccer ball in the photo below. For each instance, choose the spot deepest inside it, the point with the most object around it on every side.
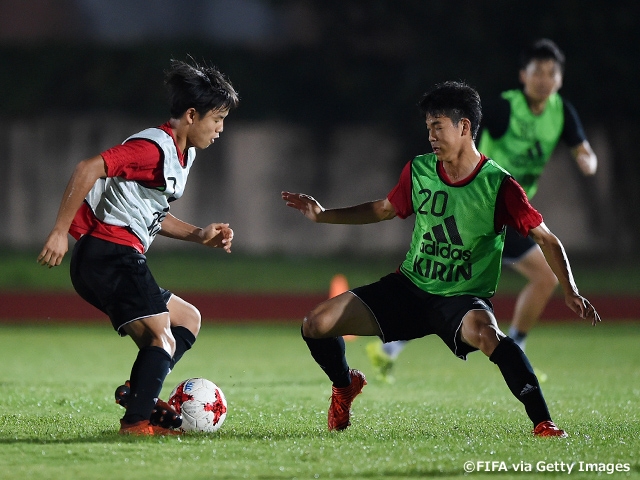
(201, 404)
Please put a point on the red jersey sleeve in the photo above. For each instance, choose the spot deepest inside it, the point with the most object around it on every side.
(514, 210)
(138, 160)
(400, 196)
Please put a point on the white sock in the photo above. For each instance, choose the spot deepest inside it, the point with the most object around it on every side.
(393, 349)
(520, 338)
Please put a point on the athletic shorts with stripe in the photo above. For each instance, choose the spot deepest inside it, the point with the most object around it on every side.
(404, 312)
(116, 280)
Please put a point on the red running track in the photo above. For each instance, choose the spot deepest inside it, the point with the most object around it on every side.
(20, 307)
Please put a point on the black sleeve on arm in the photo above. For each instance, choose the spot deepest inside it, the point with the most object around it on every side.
(572, 133)
(495, 118)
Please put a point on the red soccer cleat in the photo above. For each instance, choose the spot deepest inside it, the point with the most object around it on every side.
(548, 429)
(341, 399)
(144, 428)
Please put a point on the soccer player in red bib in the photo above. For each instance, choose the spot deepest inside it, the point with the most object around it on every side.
(114, 206)
(462, 202)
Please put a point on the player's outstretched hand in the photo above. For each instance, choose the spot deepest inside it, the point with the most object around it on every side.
(54, 249)
(583, 307)
(217, 235)
(306, 204)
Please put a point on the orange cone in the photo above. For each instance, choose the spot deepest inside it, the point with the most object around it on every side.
(338, 286)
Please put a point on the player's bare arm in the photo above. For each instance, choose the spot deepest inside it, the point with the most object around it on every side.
(585, 158)
(215, 235)
(556, 257)
(369, 212)
(84, 177)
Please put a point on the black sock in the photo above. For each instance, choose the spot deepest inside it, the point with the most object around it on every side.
(329, 353)
(517, 335)
(184, 341)
(147, 376)
(521, 380)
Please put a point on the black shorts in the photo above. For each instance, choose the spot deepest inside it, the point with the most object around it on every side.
(116, 280)
(516, 246)
(404, 312)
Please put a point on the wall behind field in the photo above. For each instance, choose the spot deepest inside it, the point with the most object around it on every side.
(328, 105)
(239, 180)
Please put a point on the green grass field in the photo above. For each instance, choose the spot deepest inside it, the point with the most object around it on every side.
(204, 270)
(59, 419)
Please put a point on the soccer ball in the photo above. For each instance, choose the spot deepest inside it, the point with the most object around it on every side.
(201, 404)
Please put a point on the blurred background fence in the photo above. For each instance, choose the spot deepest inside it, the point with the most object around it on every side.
(329, 92)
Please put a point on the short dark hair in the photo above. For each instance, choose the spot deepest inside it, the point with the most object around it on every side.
(541, 49)
(455, 100)
(202, 87)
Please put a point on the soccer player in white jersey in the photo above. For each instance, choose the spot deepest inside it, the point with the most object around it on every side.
(114, 205)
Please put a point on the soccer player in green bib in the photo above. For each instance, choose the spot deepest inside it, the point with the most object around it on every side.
(462, 202)
(519, 133)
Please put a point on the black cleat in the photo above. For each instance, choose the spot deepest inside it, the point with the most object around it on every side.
(122, 394)
(162, 414)
(165, 416)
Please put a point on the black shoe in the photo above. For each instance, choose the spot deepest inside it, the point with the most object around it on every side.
(162, 414)
(122, 394)
(165, 416)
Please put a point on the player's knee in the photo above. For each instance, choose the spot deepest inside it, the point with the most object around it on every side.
(481, 333)
(312, 325)
(308, 328)
(185, 315)
(551, 280)
(188, 317)
(193, 320)
(488, 339)
(546, 280)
